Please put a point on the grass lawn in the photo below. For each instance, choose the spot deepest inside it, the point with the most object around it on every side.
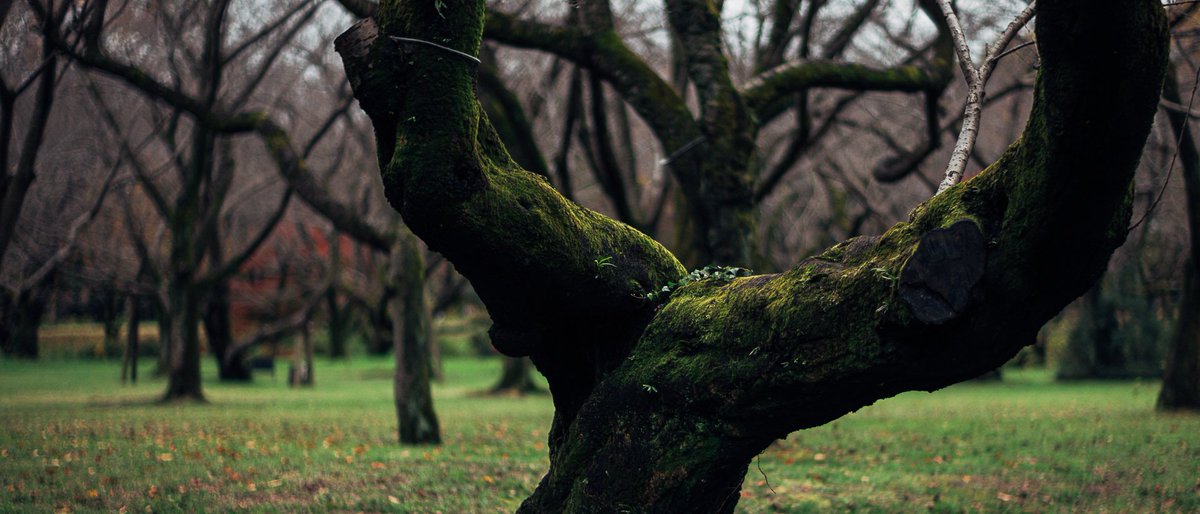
(72, 437)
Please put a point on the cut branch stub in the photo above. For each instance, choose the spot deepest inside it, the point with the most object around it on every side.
(937, 280)
(355, 45)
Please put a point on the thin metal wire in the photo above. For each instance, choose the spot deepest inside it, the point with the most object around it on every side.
(682, 150)
(435, 45)
(1179, 141)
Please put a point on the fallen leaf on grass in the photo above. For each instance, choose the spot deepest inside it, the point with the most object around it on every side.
(1004, 497)
(393, 499)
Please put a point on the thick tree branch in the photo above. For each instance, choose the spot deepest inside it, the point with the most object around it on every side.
(581, 265)
(792, 77)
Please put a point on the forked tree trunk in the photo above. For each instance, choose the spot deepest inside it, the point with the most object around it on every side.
(660, 404)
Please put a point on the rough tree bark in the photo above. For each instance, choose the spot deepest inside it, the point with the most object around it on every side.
(681, 395)
(1181, 379)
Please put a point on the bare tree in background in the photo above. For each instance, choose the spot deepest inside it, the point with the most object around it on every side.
(40, 220)
(1181, 379)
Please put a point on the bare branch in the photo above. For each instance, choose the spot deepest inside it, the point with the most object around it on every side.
(965, 63)
(976, 86)
(77, 226)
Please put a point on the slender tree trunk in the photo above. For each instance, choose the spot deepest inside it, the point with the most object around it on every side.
(129, 368)
(111, 312)
(310, 377)
(410, 335)
(163, 318)
(339, 325)
(1181, 379)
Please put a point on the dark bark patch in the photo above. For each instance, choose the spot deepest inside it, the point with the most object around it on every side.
(937, 280)
(514, 342)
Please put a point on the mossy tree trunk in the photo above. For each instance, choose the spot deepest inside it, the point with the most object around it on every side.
(679, 395)
(1181, 379)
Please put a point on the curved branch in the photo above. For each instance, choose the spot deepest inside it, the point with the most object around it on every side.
(525, 248)
(790, 78)
(604, 54)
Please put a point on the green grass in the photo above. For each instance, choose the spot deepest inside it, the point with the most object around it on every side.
(72, 437)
